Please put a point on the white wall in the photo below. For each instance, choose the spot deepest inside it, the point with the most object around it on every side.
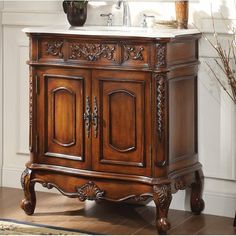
(217, 114)
(1, 95)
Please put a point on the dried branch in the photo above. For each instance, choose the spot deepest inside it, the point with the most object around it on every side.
(216, 77)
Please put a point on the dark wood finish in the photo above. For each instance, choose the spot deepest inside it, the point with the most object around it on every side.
(114, 119)
(108, 218)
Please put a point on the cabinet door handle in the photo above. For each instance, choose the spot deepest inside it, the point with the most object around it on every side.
(87, 117)
(95, 117)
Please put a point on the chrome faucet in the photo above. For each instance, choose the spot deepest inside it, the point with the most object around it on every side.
(126, 12)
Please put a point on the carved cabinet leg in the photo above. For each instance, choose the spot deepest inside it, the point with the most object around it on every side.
(29, 202)
(162, 198)
(197, 203)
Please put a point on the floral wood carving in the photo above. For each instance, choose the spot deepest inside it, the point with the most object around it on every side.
(30, 113)
(163, 195)
(92, 52)
(161, 55)
(47, 185)
(141, 198)
(25, 174)
(90, 191)
(179, 184)
(133, 53)
(54, 48)
(160, 101)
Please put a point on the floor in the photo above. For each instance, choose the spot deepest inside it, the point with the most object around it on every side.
(107, 218)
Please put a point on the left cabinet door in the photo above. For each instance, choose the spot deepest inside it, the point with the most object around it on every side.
(63, 129)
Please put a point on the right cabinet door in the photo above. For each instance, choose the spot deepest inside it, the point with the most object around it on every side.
(121, 122)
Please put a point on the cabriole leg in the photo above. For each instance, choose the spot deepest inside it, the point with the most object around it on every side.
(29, 202)
(197, 203)
(162, 198)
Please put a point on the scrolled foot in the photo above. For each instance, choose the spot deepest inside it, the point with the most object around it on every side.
(163, 225)
(28, 207)
(198, 206)
(197, 203)
(29, 202)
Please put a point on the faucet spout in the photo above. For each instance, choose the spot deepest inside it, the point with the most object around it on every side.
(126, 12)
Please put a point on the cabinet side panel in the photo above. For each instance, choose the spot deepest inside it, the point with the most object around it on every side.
(182, 118)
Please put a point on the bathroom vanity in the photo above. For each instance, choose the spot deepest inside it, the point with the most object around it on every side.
(113, 115)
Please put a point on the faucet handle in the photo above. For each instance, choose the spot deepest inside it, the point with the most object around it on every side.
(109, 18)
(144, 21)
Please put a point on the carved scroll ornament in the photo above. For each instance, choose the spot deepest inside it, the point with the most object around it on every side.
(90, 191)
(133, 53)
(92, 52)
(54, 48)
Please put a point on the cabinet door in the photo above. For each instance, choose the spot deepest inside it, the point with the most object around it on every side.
(63, 97)
(121, 122)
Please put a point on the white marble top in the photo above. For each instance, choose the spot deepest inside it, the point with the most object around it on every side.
(113, 31)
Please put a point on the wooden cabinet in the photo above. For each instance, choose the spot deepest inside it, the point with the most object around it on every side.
(114, 119)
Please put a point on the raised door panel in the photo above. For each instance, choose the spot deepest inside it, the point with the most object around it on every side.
(121, 134)
(62, 130)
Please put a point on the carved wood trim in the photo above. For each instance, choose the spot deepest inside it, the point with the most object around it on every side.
(161, 55)
(31, 112)
(81, 192)
(92, 52)
(162, 195)
(162, 198)
(179, 184)
(160, 102)
(90, 191)
(29, 201)
(54, 48)
(133, 53)
(161, 119)
(25, 176)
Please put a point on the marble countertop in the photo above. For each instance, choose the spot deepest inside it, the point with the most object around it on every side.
(113, 31)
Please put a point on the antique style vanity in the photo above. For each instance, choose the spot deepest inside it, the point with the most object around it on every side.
(113, 115)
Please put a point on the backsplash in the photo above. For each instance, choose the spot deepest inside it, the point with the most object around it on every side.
(158, 9)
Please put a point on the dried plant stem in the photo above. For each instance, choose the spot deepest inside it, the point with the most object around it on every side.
(216, 77)
(225, 58)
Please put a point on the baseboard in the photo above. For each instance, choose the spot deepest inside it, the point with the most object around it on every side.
(216, 203)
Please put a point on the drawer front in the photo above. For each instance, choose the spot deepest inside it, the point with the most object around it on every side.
(51, 50)
(82, 52)
(135, 55)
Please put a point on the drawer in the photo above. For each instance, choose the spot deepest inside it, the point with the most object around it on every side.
(135, 55)
(51, 49)
(94, 52)
(84, 52)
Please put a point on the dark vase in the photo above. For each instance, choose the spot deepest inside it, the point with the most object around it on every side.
(76, 12)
